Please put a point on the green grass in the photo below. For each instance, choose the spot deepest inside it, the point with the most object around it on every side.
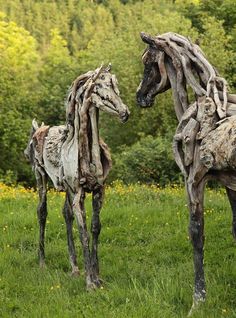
(145, 258)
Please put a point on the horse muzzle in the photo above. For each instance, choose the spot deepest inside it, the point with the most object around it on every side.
(124, 116)
(144, 100)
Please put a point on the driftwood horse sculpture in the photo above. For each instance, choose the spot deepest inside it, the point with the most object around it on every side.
(77, 161)
(205, 141)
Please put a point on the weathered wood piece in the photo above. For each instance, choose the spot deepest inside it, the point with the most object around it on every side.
(188, 139)
(77, 161)
(206, 116)
(218, 148)
(204, 144)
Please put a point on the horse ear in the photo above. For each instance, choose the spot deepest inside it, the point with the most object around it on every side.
(148, 39)
(97, 72)
(108, 68)
(35, 124)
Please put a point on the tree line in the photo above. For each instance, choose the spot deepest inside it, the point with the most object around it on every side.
(44, 45)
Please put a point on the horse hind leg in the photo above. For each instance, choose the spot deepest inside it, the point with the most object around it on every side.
(69, 218)
(41, 179)
(232, 200)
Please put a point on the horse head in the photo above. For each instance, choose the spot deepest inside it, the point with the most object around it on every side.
(172, 60)
(106, 96)
(155, 78)
(100, 87)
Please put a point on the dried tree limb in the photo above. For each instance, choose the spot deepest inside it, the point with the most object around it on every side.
(206, 116)
(188, 138)
(95, 151)
(180, 53)
(180, 81)
(173, 81)
(186, 55)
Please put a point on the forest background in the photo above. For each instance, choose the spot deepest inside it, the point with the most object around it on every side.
(44, 45)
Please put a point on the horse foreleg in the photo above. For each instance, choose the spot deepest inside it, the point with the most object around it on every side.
(232, 199)
(196, 232)
(95, 229)
(68, 216)
(80, 214)
(41, 179)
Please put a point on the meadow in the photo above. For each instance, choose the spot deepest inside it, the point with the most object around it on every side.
(145, 257)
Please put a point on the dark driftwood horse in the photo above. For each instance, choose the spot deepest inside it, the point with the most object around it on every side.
(205, 139)
(77, 161)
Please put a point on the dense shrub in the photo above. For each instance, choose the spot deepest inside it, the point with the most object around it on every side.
(150, 160)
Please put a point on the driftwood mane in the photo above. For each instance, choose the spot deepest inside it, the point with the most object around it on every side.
(185, 64)
(76, 93)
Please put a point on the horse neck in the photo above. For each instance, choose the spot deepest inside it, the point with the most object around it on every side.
(93, 131)
(89, 132)
(88, 141)
(95, 143)
(179, 92)
(210, 84)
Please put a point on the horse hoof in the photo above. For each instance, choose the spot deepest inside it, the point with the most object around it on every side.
(42, 264)
(99, 282)
(198, 299)
(75, 272)
(91, 286)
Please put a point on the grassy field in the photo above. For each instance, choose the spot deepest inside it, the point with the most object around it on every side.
(145, 257)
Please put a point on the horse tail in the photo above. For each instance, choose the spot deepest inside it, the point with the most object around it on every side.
(29, 150)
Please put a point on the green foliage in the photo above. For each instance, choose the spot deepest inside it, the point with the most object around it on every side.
(70, 37)
(18, 95)
(223, 55)
(150, 160)
(8, 177)
(224, 10)
(56, 75)
(216, 21)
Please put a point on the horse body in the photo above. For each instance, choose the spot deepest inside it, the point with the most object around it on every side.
(77, 161)
(204, 144)
(51, 154)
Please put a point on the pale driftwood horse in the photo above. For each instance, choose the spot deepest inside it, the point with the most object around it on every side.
(205, 141)
(77, 161)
